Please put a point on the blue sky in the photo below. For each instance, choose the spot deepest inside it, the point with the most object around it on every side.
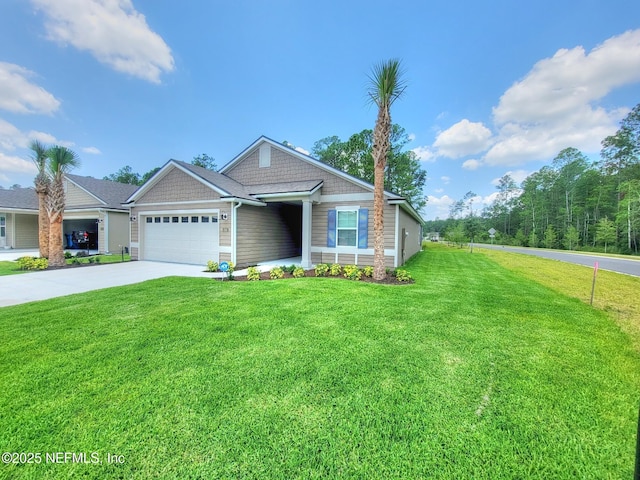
(493, 87)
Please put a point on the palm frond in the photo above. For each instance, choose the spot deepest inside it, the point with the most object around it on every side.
(386, 84)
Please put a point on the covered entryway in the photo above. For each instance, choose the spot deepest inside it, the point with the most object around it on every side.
(181, 238)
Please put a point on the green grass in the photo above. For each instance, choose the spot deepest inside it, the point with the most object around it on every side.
(115, 258)
(9, 268)
(471, 372)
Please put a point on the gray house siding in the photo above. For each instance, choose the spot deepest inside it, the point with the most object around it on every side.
(26, 231)
(412, 241)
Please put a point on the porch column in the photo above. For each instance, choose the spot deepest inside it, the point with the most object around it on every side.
(306, 234)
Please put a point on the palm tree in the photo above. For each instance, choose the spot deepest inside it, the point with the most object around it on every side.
(385, 87)
(61, 160)
(42, 183)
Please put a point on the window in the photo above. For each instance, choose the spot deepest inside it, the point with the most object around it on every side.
(185, 219)
(205, 219)
(149, 219)
(174, 219)
(3, 226)
(194, 219)
(156, 220)
(347, 228)
(214, 219)
(165, 219)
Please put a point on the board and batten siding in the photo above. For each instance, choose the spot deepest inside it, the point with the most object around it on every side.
(286, 167)
(265, 234)
(26, 231)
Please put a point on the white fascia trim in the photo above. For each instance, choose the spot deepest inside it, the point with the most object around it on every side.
(148, 213)
(166, 204)
(19, 210)
(244, 201)
(408, 208)
(347, 197)
(85, 190)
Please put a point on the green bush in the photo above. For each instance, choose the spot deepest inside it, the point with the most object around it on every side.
(32, 263)
(289, 269)
(97, 259)
(253, 274)
(298, 272)
(68, 255)
(352, 272)
(367, 271)
(81, 254)
(322, 269)
(91, 259)
(276, 273)
(335, 269)
(403, 276)
(76, 261)
(212, 266)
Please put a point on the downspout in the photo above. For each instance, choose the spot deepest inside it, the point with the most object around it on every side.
(234, 233)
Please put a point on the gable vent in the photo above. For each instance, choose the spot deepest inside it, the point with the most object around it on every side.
(265, 155)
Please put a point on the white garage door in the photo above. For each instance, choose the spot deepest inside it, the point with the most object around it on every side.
(183, 238)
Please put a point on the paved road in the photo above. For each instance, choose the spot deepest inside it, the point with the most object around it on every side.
(629, 266)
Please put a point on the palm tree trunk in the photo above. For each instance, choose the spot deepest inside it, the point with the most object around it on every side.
(56, 252)
(43, 225)
(379, 151)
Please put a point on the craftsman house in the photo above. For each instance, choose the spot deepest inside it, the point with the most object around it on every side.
(94, 217)
(270, 202)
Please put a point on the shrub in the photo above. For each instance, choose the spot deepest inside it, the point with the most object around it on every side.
(335, 269)
(81, 254)
(212, 266)
(91, 259)
(32, 263)
(368, 271)
(232, 267)
(322, 269)
(289, 269)
(75, 261)
(403, 276)
(298, 272)
(276, 273)
(68, 255)
(352, 272)
(97, 259)
(253, 274)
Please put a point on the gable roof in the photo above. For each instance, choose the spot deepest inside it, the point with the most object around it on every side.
(19, 199)
(223, 185)
(393, 198)
(108, 194)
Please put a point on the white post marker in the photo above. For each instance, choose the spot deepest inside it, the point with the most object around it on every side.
(593, 284)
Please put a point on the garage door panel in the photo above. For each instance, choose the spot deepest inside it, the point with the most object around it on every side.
(181, 242)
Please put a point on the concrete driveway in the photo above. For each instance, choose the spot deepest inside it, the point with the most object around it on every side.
(32, 286)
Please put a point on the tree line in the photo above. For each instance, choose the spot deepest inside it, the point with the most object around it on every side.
(573, 203)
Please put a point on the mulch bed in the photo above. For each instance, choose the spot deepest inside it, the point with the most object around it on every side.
(388, 280)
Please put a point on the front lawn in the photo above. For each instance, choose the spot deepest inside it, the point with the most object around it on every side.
(472, 372)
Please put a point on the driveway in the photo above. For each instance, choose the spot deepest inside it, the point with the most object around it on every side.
(32, 286)
(628, 266)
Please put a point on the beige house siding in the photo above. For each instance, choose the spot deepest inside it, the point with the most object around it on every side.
(267, 233)
(328, 255)
(26, 231)
(286, 167)
(141, 211)
(177, 186)
(76, 197)
(412, 240)
(118, 225)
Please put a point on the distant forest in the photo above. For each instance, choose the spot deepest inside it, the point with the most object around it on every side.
(573, 204)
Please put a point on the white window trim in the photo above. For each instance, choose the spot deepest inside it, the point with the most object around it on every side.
(348, 208)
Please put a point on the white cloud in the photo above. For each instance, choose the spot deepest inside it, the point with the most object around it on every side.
(445, 180)
(424, 154)
(463, 138)
(112, 31)
(553, 106)
(19, 95)
(472, 164)
(411, 137)
(10, 163)
(518, 176)
(438, 207)
(91, 151)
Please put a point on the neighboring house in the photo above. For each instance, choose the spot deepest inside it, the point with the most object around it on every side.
(18, 218)
(92, 206)
(270, 202)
